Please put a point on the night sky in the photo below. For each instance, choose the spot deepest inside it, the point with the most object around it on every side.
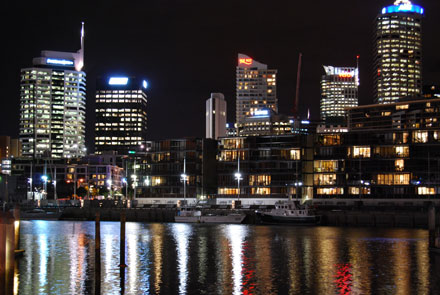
(188, 49)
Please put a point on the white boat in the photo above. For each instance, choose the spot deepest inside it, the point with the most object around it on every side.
(289, 212)
(195, 215)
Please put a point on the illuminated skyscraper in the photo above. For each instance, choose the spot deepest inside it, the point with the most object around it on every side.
(216, 116)
(53, 105)
(398, 52)
(339, 90)
(121, 114)
(256, 88)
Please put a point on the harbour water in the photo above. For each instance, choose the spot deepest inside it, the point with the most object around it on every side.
(173, 258)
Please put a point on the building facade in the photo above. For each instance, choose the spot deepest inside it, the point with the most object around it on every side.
(398, 52)
(121, 114)
(339, 90)
(165, 167)
(52, 105)
(271, 168)
(255, 88)
(216, 116)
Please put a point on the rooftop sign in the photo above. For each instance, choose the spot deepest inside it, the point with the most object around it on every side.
(403, 6)
(118, 81)
(245, 61)
(59, 62)
(261, 113)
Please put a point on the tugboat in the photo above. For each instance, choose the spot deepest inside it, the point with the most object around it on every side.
(194, 215)
(289, 212)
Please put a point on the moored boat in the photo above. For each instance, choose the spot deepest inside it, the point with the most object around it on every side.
(289, 212)
(195, 215)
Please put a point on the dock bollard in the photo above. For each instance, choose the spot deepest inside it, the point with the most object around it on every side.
(122, 240)
(97, 254)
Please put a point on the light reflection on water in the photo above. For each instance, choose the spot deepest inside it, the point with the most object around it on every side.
(225, 259)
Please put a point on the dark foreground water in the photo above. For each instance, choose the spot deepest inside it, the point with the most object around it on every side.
(226, 259)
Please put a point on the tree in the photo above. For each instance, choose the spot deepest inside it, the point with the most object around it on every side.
(81, 192)
(104, 191)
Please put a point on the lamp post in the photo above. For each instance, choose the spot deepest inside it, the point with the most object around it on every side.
(124, 181)
(44, 178)
(109, 182)
(184, 178)
(298, 186)
(238, 177)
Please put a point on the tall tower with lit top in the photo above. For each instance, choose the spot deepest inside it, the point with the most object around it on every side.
(53, 105)
(256, 88)
(339, 90)
(398, 52)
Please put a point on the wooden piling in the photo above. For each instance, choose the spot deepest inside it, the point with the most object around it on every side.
(17, 227)
(7, 255)
(97, 254)
(431, 226)
(122, 240)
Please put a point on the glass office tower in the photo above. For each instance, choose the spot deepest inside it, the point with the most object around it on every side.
(398, 52)
(121, 114)
(53, 105)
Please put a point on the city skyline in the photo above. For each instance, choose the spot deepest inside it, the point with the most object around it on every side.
(183, 69)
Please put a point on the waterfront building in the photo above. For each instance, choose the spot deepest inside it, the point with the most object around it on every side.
(121, 114)
(162, 178)
(339, 90)
(231, 129)
(264, 122)
(271, 168)
(256, 88)
(216, 116)
(53, 104)
(37, 179)
(398, 52)
(390, 152)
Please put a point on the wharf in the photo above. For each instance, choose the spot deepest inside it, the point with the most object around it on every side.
(360, 217)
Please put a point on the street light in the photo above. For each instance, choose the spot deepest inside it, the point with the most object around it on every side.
(44, 178)
(238, 177)
(109, 182)
(298, 186)
(134, 178)
(124, 181)
(184, 178)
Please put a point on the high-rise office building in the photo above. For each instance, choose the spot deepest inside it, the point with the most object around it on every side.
(121, 114)
(398, 52)
(53, 105)
(339, 90)
(216, 116)
(256, 88)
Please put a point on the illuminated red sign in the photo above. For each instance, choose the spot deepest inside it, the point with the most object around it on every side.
(345, 75)
(246, 61)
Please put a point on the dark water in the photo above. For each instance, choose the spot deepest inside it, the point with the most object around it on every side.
(226, 259)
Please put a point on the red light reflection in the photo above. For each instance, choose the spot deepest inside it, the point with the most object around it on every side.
(343, 277)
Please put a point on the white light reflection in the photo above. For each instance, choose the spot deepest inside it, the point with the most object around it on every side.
(236, 235)
(43, 259)
(182, 233)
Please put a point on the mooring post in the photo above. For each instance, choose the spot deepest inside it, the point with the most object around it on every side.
(17, 226)
(431, 226)
(7, 255)
(122, 240)
(97, 254)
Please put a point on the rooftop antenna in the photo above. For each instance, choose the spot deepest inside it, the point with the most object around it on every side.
(298, 78)
(80, 53)
(357, 69)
